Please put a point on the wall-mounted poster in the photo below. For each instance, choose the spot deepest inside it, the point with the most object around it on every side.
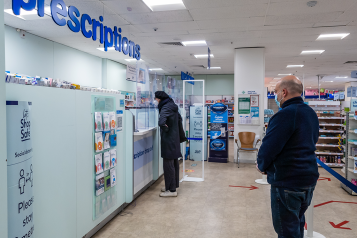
(244, 105)
(131, 73)
(254, 100)
(141, 77)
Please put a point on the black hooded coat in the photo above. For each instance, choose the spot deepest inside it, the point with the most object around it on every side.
(169, 129)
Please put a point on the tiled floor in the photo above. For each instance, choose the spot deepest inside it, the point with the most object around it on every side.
(213, 209)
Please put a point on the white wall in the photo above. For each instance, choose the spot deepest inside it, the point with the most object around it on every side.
(34, 56)
(116, 77)
(3, 147)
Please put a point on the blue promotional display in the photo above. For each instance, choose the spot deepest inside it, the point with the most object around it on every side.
(218, 146)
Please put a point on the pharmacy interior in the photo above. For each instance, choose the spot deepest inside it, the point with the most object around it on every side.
(89, 141)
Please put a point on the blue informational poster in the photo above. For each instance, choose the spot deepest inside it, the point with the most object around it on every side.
(198, 113)
(218, 146)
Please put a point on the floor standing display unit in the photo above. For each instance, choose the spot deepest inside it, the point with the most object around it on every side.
(218, 146)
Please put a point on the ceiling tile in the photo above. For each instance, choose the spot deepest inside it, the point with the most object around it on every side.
(158, 17)
(231, 23)
(201, 4)
(301, 18)
(229, 12)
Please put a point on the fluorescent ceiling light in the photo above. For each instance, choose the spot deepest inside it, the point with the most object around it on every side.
(131, 60)
(341, 77)
(328, 81)
(312, 52)
(204, 56)
(108, 49)
(32, 15)
(283, 74)
(214, 68)
(194, 43)
(332, 36)
(295, 66)
(155, 69)
(165, 5)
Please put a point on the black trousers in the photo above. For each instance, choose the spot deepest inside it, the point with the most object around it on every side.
(171, 174)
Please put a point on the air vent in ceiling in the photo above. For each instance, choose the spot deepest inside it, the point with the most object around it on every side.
(171, 43)
(351, 62)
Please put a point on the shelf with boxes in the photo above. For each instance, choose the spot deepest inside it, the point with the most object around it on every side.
(350, 169)
(330, 146)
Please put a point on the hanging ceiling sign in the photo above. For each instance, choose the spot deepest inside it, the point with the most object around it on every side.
(185, 76)
(107, 36)
(209, 58)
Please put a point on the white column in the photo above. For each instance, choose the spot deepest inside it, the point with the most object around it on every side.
(3, 147)
(249, 74)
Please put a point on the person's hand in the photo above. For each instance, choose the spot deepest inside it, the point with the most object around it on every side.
(259, 170)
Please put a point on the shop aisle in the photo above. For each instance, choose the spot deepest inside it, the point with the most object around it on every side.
(213, 209)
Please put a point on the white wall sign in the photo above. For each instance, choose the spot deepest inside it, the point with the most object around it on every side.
(131, 73)
(19, 170)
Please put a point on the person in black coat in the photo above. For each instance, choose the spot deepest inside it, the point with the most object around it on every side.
(170, 142)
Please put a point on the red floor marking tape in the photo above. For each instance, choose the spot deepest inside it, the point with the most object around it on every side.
(324, 178)
(319, 205)
(339, 226)
(251, 187)
(305, 226)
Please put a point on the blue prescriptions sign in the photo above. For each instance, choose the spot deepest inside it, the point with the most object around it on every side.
(107, 36)
(185, 76)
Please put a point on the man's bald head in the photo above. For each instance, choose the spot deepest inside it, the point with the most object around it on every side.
(292, 84)
(290, 87)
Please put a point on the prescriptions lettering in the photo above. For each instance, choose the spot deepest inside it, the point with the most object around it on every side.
(110, 37)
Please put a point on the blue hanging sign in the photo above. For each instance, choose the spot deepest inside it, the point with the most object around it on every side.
(185, 76)
(107, 36)
(209, 58)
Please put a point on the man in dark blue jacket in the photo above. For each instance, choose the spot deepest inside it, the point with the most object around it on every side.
(287, 155)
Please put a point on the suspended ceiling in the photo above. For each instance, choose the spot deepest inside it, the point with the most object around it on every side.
(283, 27)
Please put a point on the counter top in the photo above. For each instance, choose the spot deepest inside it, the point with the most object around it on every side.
(142, 132)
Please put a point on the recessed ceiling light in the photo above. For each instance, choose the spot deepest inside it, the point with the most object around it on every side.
(204, 56)
(155, 69)
(308, 87)
(165, 5)
(332, 36)
(312, 52)
(295, 66)
(131, 60)
(108, 49)
(328, 81)
(283, 74)
(276, 78)
(341, 77)
(194, 43)
(214, 68)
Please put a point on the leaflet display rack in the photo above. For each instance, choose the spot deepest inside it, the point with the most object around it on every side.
(248, 109)
(350, 168)
(104, 180)
(330, 148)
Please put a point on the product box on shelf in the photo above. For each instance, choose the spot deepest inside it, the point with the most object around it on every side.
(106, 160)
(98, 144)
(99, 163)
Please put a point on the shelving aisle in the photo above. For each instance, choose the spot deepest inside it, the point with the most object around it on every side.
(351, 151)
(330, 146)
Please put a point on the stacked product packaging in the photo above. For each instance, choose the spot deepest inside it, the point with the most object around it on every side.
(49, 82)
(105, 140)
